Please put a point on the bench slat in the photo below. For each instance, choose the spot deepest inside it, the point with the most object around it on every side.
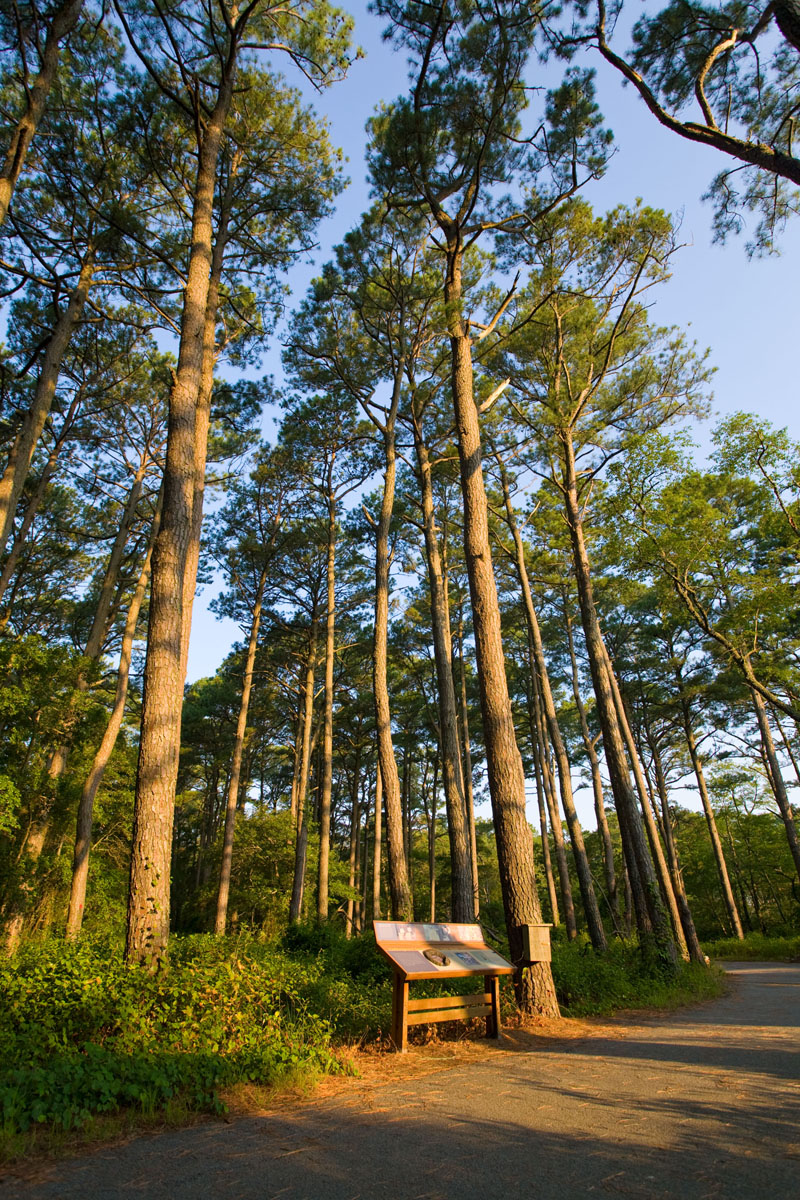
(449, 1014)
(449, 1001)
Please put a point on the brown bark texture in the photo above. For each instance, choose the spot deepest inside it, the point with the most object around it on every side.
(62, 22)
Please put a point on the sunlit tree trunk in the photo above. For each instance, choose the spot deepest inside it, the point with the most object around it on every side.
(399, 890)
(597, 782)
(27, 439)
(301, 829)
(232, 801)
(534, 988)
(83, 835)
(705, 800)
(327, 721)
(776, 779)
(62, 22)
(539, 668)
(355, 828)
(651, 917)
(542, 757)
(452, 777)
(159, 744)
(376, 848)
(469, 797)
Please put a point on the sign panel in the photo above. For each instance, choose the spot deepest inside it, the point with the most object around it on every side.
(428, 951)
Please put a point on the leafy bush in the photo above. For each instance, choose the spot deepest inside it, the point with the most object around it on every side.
(754, 947)
(590, 984)
(81, 1032)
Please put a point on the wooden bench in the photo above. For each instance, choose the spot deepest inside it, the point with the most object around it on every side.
(419, 951)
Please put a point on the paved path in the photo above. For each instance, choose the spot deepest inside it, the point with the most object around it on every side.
(703, 1104)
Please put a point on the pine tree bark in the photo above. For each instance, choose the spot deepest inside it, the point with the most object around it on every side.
(690, 933)
(463, 909)
(542, 758)
(662, 870)
(539, 667)
(776, 779)
(546, 858)
(35, 500)
(399, 890)
(27, 439)
(62, 22)
(651, 918)
(232, 800)
(469, 797)
(327, 721)
(301, 830)
(535, 990)
(376, 847)
(164, 674)
(597, 782)
(355, 819)
(705, 800)
(83, 833)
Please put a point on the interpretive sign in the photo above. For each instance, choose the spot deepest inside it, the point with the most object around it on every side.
(420, 951)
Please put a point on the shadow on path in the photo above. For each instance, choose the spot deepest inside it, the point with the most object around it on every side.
(695, 1106)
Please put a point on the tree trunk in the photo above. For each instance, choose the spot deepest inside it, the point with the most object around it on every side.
(539, 669)
(535, 990)
(467, 768)
(776, 779)
(83, 833)
(232, 803)
(24, 446)
(355, 826)
(546, 857)
(705, 799)
(62, 22)
(690, 933)
(33, 505)
(399, 890)
(597, 782)
(164, 674)
(301, 830)
(327, 721)
(662, 870)
(452, 777)
(651, 919)
(542, 758)
(376, 851)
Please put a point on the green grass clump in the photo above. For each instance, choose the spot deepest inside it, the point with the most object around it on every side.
(755, 947)
(82, 1033)
(590, 984)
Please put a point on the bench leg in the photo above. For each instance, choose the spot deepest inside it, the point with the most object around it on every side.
(400, 1013)
(492, 985)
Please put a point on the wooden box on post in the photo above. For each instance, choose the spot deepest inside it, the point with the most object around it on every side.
(536, 943)
(418, 951)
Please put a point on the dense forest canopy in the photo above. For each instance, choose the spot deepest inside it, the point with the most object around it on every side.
(517, 638)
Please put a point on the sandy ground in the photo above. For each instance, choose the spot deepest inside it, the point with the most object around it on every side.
(700, 1104)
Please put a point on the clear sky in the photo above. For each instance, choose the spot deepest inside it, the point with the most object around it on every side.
(744, 310)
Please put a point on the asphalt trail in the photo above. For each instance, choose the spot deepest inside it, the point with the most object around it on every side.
(702, 1105)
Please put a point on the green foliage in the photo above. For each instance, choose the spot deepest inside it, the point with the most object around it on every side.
(756, 947)
(83, 1033)
(590, 984)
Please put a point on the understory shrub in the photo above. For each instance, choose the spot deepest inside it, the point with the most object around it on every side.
(82, 1033)
(590, 984)
(756, 946)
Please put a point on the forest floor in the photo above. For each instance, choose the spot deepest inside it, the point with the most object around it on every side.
(700, 1104)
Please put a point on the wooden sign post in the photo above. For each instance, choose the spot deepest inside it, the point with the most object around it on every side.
(419, 951)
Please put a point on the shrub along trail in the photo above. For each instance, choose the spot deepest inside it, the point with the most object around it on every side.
(701, 1103)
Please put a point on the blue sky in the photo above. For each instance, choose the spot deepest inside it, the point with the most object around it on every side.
(743, 310)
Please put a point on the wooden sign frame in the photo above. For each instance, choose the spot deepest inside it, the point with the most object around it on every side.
(431, 951)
